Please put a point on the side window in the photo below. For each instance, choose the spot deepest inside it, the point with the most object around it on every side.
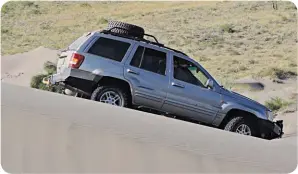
(188, 72)
(136, 60)
(109, 48)
(150, 60)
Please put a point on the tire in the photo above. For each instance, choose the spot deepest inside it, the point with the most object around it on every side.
(100, 91)
(236, 123)
(126, 29)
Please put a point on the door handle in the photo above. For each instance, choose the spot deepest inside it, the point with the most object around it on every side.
(177, 85)
(132, 72)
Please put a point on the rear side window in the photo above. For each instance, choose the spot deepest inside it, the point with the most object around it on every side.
(150, 60)
(109, 48)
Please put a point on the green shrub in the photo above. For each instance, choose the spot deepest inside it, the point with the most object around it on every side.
(49, 67)
(28, 4)
(3, 31)
(227, 28)
(278, 73)
(276, 104)
(36, 81)
(5, 9)
(85, 4)
(102, 21)
(252, 61)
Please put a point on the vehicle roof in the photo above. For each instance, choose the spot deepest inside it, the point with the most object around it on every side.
(145, 41)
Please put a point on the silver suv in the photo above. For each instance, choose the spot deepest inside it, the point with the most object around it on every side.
(118, 66)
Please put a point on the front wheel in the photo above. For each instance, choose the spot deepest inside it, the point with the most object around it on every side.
(242, 126)
(110, 95)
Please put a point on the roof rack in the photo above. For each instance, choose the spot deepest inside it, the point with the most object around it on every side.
(138, 39)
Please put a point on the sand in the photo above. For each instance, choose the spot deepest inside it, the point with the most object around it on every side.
(18, 69)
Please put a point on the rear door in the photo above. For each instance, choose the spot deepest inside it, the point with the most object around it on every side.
(147, 70)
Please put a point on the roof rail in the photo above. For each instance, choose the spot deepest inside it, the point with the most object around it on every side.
(138, 39)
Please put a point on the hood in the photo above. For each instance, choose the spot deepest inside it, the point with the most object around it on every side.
(241, 98)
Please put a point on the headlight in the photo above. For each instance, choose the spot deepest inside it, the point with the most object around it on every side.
(269, 115)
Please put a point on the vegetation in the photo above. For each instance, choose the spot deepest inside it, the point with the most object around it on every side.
(278, 73)
(259, 39)
(276, 104)
(36, 81)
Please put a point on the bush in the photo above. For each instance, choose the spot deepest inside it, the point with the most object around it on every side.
(36, 81)
(227, 28)
(85, 4)
(276, 104)
(5, 9)
(252, 61)
(102, 21)
(49, 67)
(278, 73)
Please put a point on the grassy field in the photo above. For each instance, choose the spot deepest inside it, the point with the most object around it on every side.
(230, 39)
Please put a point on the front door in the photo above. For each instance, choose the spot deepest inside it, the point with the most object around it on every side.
(188, 94)
(147, 71)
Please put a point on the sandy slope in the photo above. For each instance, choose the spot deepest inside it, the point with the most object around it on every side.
(19, 68)
(63, 134)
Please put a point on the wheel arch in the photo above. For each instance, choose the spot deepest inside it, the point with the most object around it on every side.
(237, 112)
(109, 80)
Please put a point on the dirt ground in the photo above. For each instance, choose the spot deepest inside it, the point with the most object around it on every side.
(18, 69)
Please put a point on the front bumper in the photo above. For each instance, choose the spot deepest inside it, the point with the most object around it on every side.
(271, 130)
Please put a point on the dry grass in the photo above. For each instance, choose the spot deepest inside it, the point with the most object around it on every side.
(278, 73)
(276, 104)
(230, 39)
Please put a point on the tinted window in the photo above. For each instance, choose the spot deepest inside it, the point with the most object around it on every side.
(150, 60)
(188, 72)
(136, 60)
(108, 48)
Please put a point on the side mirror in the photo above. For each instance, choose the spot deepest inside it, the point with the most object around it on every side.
(209, 83)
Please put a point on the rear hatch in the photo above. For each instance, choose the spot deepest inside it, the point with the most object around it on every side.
(64, 56)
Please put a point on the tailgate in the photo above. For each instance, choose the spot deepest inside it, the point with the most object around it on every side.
(65, 55)
(63, 60)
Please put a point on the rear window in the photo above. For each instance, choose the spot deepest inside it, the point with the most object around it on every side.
(109, 48)
(77, 43)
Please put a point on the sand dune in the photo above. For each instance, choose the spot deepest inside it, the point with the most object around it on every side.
(18, 69)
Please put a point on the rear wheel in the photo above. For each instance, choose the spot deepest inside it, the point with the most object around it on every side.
(111, 95)
(242, 126)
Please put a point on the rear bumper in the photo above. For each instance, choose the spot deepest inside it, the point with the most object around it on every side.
(75, 80)
(271, 130)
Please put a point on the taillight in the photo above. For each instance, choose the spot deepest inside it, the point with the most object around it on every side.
(76, 60)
